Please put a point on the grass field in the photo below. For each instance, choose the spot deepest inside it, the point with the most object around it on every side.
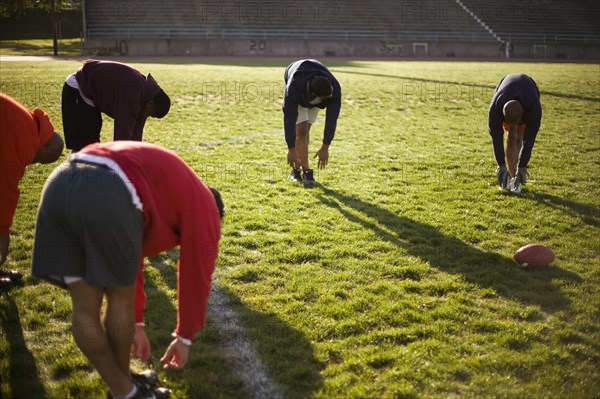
(41, 47)
(392, 278)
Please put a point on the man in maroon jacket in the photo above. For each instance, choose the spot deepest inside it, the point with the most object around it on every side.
(115, 89)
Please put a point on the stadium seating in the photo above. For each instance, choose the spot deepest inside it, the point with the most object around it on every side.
(409, 21)
(386, 16)
(536, 16)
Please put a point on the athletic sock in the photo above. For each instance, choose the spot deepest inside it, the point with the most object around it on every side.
(132, 393)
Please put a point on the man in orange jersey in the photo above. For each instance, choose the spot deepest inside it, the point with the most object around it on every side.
(516, 110)
(25, 138)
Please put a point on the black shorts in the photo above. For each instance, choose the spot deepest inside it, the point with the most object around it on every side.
(87, 227)
(82, 123)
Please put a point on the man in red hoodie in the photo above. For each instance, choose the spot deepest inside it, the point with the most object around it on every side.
(103, 210)
(115, 89)
(25, 138)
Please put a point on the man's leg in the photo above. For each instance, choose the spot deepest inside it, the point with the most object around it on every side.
(512, 147)
(69, 99)
(92, 338)
(82, 123)
(302, 139)
(119, 322)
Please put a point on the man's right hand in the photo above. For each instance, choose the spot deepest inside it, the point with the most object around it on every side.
(4, 243)
(293, 158)
(140, 348)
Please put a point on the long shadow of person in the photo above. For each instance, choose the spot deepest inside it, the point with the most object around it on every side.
(23, 377)
(449, 86)
(240, 353)
(204, 376)
(588, 214)
(449, 254)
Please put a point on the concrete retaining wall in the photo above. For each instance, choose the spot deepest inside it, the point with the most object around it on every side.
(343, 48)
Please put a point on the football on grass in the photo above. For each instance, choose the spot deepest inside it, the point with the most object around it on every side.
(534, 255)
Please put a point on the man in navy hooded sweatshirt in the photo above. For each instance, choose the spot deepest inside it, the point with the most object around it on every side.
(113, 88)
(309, 86)
(515, 109)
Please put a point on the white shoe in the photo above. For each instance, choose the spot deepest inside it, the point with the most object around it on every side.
(514, 185)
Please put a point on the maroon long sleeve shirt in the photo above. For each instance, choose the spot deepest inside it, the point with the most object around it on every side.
(120, 92)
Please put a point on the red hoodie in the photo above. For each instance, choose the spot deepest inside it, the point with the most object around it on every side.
(22, 133)
(178, 209)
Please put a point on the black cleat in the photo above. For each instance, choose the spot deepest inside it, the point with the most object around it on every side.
(5, 283)
(307, 177)
(147, 378)
(503, 177)
(295, 175)
(12, 275)
(522, 175)
(144, 392)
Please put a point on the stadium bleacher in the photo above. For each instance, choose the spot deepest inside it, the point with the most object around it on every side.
(527, 21)
(534, 16)
(386, 16)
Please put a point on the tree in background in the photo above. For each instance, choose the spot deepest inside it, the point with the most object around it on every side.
(16, 8)
(49, 12)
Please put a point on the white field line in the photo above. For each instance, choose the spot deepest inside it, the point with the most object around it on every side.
(227, 141)
(236, 139)
(239, 350)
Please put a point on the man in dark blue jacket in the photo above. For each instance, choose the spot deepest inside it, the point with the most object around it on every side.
(516, 109)
(309, 86)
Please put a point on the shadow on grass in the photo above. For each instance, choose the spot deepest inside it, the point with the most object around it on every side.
(232, 338)
(448, 91)
(588, 214)
(449, 254)
(68, 47)
(23, 377)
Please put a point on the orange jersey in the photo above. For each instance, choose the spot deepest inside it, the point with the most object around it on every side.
(22, 133)
(521, 127)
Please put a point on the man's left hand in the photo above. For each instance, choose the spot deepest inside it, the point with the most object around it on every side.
(323, 155)
(176, 355)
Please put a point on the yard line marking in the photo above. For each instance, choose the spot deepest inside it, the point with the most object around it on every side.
(238, 139)
(239, 350)
(226, 141)
(234, 139)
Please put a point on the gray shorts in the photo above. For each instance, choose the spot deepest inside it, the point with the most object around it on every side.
(87, 227)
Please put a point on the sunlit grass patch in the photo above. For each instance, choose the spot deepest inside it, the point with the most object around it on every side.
(393, 277)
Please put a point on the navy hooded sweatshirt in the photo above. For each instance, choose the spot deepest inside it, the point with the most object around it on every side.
(297, 77)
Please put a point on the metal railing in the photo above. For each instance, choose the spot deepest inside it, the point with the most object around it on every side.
(146, 33)
(329, 34)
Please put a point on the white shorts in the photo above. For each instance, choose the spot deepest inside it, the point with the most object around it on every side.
(67, 279)
(307, 114)
(72, 82)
